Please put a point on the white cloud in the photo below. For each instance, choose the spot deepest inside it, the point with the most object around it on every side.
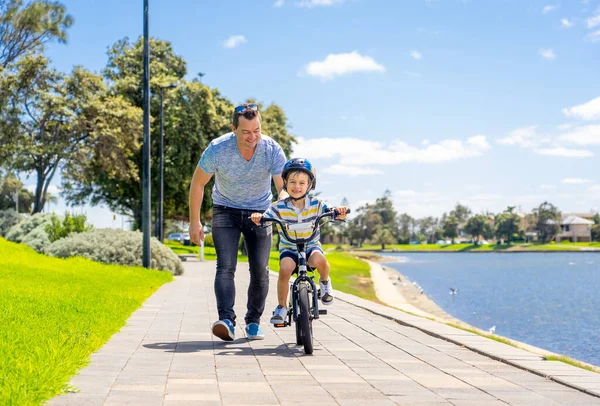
(278, 3)
(566, 152)
(593, 21)
(594, 188)
(548, 9)
(566, 23)
(413, 74)
(425, 142)
(585, 135)
(52, 189)
(586, 111)
(594, 36)
(548, 187)
(234, 41)
(319, 3)
(350, 170)
(548, 54)
(576, 181)
(341, 64)
(565, 126)
(523, 137)
(354, 151)
(416, 55)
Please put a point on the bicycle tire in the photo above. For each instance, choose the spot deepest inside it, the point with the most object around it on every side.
(304, 319)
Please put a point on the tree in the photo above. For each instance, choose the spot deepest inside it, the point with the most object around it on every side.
(596, 227)
(547, 222)
(10, 186)
(405, 227)
(26, 28)
(194, 115)
(476, 226)
(450, 227)
(57, 121)
(383, 236)
(506, 225)
(427, 228)
(462, 213)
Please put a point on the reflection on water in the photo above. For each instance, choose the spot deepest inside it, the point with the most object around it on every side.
(549, 300)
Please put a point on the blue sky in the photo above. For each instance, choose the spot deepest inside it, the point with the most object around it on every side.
(485, 103)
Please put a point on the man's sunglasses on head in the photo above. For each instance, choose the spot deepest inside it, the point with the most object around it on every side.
(246, 107)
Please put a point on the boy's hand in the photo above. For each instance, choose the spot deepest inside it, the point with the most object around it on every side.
(256, 217)
(341, 212)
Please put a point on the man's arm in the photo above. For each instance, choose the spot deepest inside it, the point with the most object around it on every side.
(199, 181)
(278, 180)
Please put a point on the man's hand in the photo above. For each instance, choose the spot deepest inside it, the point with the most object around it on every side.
(341, 212)
(196, 232)
(256, 217)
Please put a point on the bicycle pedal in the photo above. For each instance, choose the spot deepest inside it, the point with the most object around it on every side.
(280, 325)
(322, 311)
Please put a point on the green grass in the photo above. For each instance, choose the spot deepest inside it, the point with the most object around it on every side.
(54, 313)
(571, 361)
(348, 274)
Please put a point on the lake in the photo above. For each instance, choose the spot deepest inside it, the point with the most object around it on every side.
(549, 300)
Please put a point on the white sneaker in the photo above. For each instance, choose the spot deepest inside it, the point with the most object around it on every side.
(326, 292)
(279, 315)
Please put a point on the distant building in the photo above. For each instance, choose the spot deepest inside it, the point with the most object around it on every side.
(575, 229)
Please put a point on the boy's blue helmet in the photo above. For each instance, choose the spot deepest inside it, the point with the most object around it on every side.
(300, 164)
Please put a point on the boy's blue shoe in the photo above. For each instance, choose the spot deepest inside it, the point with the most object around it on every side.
(254, 332)
(224, 330)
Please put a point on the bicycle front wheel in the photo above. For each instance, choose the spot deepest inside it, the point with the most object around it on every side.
(304, 319)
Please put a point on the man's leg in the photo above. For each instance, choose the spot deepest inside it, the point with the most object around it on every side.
(226, 232)
(258, 242)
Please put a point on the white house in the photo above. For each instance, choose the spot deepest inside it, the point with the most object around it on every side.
(575, 229)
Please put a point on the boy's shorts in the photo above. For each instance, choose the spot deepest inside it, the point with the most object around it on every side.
(287, 253)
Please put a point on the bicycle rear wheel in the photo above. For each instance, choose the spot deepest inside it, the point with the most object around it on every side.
(304, 319)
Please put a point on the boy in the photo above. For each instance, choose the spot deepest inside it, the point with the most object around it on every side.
(298, 179)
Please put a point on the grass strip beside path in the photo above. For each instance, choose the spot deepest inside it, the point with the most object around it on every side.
(54, 313)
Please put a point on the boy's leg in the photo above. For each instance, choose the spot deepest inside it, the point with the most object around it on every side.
(287, 264)
(316, 259)
(258, 242)
(226, 234)
(286, 267)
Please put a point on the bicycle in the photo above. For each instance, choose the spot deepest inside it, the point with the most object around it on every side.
(304, 303)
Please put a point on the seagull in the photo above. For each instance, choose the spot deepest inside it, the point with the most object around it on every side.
(453, 291)
(492, 330)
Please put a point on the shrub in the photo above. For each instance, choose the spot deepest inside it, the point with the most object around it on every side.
(70, 224)
(208, 240)
(115, 247)
(8, 219)
(34, 225)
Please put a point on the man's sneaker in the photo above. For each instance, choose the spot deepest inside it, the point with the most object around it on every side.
(224, 330)
(326, 292)
(254, 332)
(279, 315)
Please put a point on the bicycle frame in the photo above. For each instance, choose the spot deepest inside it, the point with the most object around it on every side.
(302, 261)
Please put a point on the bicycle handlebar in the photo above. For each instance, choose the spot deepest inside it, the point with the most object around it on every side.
(315, 225)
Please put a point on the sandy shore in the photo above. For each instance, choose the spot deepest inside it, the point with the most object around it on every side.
(397, 291)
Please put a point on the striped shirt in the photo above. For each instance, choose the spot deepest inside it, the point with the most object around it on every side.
(285, 211)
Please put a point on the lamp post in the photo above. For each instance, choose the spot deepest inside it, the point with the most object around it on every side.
(146, 253)
(160, 218)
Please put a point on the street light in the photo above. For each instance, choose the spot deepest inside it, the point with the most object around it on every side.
(159, 218)
(146, 253)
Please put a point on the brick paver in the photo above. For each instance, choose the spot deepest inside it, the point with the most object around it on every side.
(365, 354)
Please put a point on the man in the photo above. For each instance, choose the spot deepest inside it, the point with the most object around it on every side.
(243, 163)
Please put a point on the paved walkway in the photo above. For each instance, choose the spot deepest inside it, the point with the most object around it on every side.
(365, 354)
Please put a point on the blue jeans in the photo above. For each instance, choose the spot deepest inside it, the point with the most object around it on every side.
(227, 226)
